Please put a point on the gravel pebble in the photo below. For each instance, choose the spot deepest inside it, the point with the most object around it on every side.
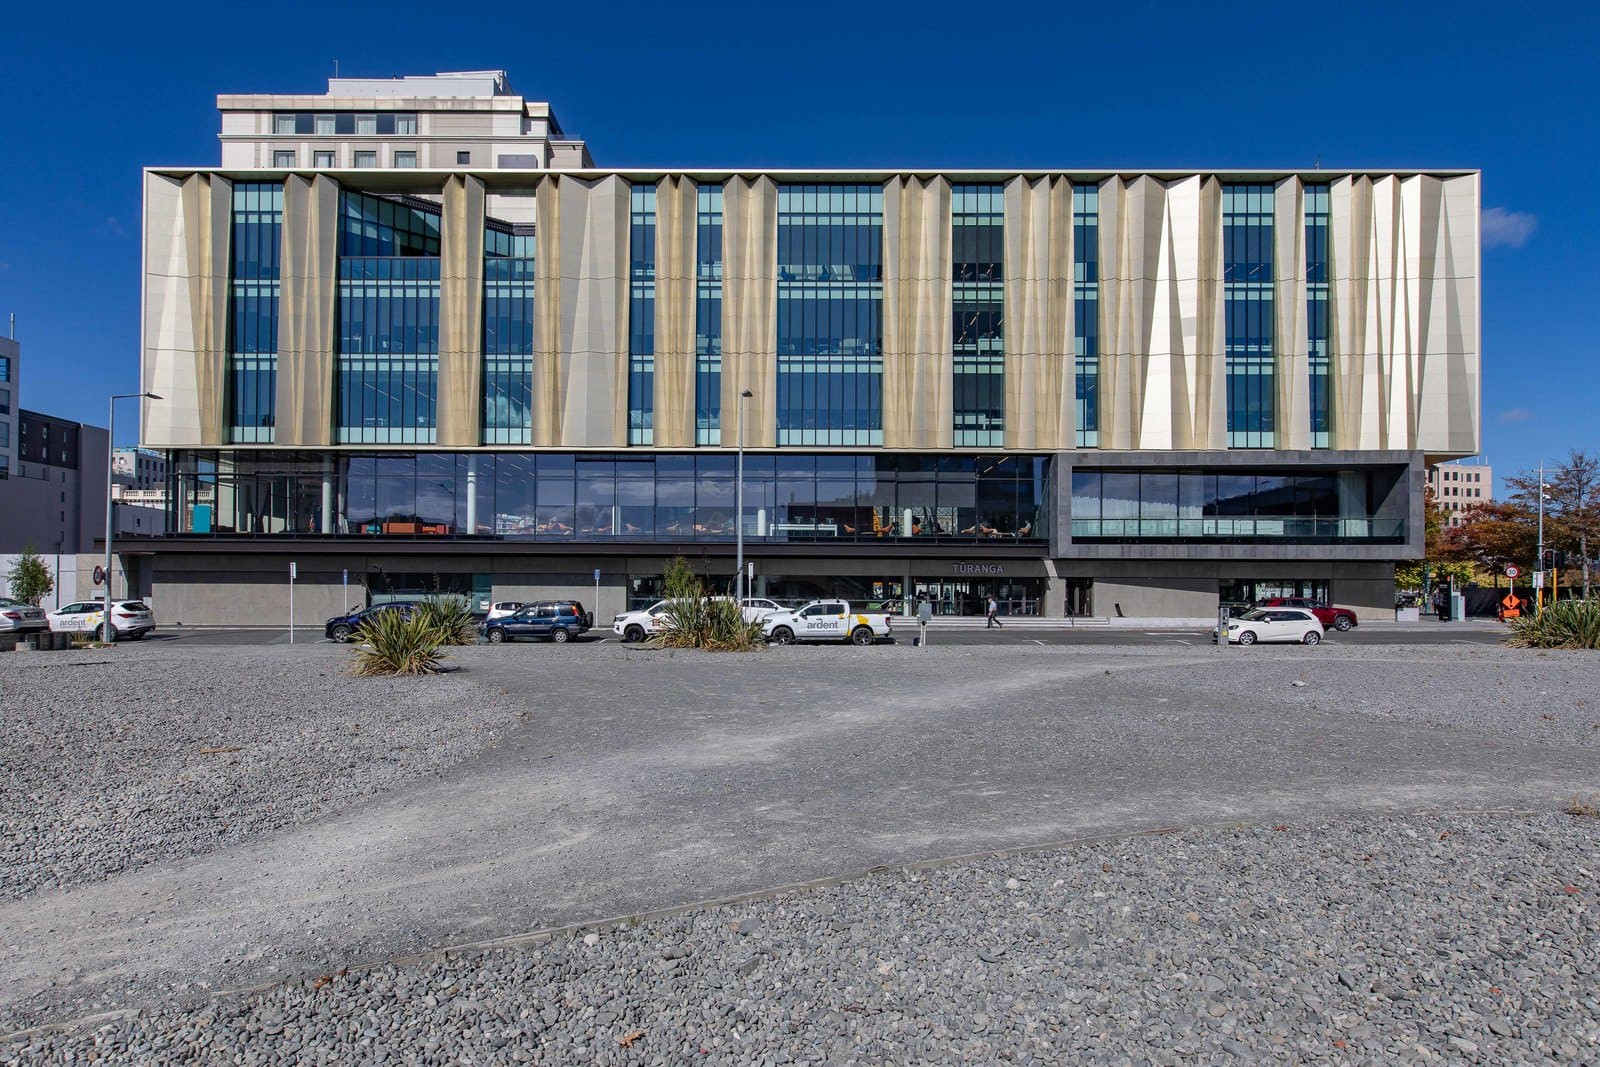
(102, 775)
(1358, 939)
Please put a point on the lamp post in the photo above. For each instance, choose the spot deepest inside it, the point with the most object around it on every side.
(738, 508)
(106, 625)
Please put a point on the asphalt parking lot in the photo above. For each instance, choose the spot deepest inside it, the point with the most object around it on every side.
(969, 634)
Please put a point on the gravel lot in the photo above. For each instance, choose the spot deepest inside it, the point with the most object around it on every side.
(111, 764)
(1439, 938)
(362, 820)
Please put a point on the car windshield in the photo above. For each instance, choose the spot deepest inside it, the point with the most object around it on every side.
(1254, 616)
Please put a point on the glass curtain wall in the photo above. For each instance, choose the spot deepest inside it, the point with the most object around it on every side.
(1086, 310)
(708, 317)
(1247, 284)
(642, 315)
(604, 496)
(830, 315)
(253, 311)
(978, 312)
(1318, 206)
(388, 365)
(508, 272)
(1236, 505)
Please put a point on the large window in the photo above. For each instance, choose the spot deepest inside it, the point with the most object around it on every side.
(388, 366)
(508, 272)
(253, 310)
(344, 123)
(830, 315)
(1086, 310)
(1317, 223)
(634, 496)
(977, 314)
(642, 315)
(708, 317)
(1247, 285)
(1236, 506)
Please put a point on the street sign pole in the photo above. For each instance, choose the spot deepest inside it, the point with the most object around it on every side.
(346, 592)
(292, 569)
(597, 589)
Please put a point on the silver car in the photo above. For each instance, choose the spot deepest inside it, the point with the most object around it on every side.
(17, 617)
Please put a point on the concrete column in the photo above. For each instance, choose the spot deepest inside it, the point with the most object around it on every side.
(472, 496)
(327, 495)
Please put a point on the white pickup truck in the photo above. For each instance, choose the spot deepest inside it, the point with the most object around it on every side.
(825, 620)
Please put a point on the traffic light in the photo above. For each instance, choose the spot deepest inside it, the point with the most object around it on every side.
(1553, 559)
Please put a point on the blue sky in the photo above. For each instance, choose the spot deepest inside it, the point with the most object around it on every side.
(91, 94)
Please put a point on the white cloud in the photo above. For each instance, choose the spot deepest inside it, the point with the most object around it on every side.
(1507, 229)
(1514, 415)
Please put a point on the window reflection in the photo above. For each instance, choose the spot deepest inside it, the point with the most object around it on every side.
(561, 496)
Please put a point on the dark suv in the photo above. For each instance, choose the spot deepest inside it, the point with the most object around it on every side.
(343, 627)
(557, 620)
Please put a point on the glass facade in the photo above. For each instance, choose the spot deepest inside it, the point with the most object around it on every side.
(508, 271)
(613, 496)
(1086, 310)
(1247, 285)
(977, 247)
(388, 362)
(708, 317)
(1317, 223)
(642, 315)
(830, 315)
(253, 311)
(1235, 506)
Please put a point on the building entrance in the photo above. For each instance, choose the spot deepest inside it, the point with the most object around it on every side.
(1016, 596)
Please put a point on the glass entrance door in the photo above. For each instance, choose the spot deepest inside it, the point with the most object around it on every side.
(1015, 596)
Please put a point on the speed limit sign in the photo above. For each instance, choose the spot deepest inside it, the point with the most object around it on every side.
(1512, 570)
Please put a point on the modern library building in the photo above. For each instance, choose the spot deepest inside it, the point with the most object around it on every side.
(1087, 393)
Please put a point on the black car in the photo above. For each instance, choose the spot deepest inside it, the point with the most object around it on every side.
(343, 627)
(557, 620)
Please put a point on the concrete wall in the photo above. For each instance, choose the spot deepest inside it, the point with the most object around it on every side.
(1163, 598)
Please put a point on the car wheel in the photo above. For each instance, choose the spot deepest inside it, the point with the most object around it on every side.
(1311, 638)
(1248, 637)
(633, 634)
(861, 635)
(496, 636)
(341, 634)
(1343, 623)
(782, 636)
(560, 635)
(136, 637)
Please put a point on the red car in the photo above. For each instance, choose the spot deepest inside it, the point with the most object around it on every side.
(1340, 619)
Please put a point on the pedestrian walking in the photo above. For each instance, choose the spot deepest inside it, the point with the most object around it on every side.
(1441, 603)
(924, 617)
(994, 612)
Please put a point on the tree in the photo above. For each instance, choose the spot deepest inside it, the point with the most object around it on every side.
(1571, 506)
(30, 578)
(1493, 534)
(1439, 561)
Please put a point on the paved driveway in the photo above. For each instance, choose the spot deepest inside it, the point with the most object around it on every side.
(644, 780)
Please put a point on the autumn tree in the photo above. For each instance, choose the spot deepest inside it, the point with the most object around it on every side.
(1571, 506)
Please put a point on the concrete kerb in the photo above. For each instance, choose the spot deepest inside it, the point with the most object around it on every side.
(545, 935)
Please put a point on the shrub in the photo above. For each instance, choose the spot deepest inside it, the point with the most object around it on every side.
(451, 617)
(390, 643)
(1565, 624)
(695, 619)
(30, 578)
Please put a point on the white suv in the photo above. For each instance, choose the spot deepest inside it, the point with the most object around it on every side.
(634, 626)
(132, 618)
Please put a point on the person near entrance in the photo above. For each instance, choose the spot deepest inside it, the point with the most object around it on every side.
(1441, 603)
(924, 617)
(993, 613)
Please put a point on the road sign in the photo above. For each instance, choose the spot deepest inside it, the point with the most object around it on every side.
(597, 574)
(1538, 578)
(99, 576)
(1512, 570)
(294, 570)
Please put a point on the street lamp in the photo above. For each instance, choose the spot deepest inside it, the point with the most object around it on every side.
(738, 507)
(109, 628)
